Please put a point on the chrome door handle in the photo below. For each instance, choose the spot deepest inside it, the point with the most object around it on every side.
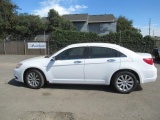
(111, 60)
(76, 62)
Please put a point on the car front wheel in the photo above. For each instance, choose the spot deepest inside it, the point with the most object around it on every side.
(34, 79)
(125, 82)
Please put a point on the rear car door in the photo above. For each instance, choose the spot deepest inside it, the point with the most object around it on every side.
(101, 64)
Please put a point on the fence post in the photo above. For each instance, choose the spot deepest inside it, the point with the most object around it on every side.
(4, 47)
(24, 47)
(48, 47)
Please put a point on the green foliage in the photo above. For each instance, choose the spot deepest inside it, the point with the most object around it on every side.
(61, 38)
(67, 25)
(129, 39)
(24, 26)
(27, 26)
(124, 24)
(57, 22)
(8, 18)
(111, 38)
(150, 42)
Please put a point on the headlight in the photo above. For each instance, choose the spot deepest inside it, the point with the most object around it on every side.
(18, 65)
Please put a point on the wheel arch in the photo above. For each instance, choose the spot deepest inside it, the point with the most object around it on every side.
(34, 69)
(128, 70)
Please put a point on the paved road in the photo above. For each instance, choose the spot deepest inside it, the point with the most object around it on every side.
(73, 102)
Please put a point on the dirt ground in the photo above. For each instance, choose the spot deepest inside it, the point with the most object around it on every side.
(73, 102)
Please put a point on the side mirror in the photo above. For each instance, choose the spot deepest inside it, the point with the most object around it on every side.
(53, 58)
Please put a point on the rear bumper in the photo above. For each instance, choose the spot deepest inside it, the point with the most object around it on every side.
(149, 75)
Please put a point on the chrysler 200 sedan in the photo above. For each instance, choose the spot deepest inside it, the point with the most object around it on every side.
(89, 63)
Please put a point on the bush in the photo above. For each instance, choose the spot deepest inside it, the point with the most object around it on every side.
(59, 39)
(129, 39)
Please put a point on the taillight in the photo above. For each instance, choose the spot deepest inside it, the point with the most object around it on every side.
(148, 60)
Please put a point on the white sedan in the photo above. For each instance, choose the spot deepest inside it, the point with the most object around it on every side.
(89, 63)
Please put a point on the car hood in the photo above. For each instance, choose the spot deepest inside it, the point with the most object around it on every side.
(35, 59)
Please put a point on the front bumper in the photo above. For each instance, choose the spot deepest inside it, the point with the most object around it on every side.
(18, 75)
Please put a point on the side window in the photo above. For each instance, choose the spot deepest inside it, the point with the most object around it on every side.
(121, 54)
(72, 53)
(102, 52)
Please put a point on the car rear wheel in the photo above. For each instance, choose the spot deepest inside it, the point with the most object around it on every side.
(34, 79)
(125, 82)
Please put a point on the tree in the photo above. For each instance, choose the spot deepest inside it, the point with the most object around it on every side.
(124, 24)
(27, 26)
(8, 18)
(57, 22)
(67, 25)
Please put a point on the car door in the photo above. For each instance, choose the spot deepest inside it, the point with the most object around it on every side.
(101, 64)
(69, 66)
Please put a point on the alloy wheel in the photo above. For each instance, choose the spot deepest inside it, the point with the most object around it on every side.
(33, 79)
(125, 83)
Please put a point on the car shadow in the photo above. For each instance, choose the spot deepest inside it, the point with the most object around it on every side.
(138, 88)
(105, 88)
(13, 82)
(80, 87)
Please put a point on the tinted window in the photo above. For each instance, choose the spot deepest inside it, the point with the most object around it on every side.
(102, 52)
(73, 53)
(121, 54)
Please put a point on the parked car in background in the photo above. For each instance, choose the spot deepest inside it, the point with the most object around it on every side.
(156, 53)
(89, 63)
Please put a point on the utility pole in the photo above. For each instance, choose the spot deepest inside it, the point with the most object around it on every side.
(149, 26)
(44, 36)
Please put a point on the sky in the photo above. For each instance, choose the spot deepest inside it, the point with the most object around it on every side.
(139, 11)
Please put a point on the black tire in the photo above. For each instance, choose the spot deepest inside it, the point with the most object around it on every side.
(34, 79)
(124, 82)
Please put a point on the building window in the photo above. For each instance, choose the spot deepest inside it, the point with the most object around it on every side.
(103, 27)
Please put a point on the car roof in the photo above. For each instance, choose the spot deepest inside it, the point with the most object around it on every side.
(109, 45)
(94, 44)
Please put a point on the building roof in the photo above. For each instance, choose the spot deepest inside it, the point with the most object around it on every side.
(90, 18)
(76, 17)
(101, 18)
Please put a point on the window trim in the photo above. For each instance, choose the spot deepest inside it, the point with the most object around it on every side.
(85, 53)
(118, 53)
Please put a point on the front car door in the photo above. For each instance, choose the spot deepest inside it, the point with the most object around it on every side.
(101, 64)
(69, 66)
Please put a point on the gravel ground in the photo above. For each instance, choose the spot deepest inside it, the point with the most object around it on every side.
(73, 102)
